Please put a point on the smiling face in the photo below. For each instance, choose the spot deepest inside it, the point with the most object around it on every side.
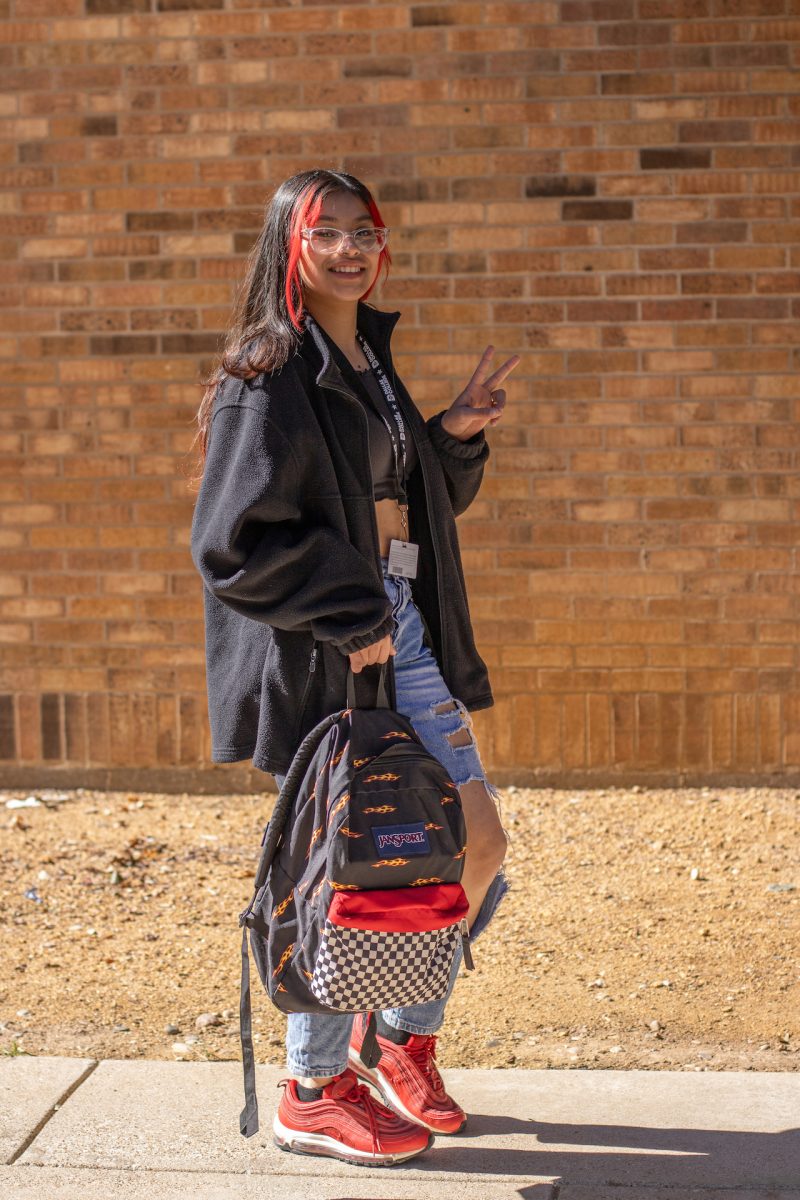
(330, 277)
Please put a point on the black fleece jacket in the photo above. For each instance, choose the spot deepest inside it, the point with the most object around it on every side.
(285, 538)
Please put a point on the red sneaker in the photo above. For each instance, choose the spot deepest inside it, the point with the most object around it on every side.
(346, 1123)
(408, 1080)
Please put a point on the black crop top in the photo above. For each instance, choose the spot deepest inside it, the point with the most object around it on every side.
(381, 456)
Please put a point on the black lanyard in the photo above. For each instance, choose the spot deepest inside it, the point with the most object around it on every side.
(391, 400)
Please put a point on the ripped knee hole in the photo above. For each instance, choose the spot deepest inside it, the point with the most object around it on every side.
(462, 736)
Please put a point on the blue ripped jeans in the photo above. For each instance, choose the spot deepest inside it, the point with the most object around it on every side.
(317, 1043)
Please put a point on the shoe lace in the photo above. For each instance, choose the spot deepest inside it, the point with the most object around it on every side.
(359, 1094)
(423, 1053)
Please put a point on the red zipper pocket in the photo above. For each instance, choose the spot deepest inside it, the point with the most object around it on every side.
(400, 910)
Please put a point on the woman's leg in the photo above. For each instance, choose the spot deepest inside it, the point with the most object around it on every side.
(316, 1046)
(444, 726)
(407, 1075)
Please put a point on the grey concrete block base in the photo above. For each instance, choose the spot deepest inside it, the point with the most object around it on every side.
(537, 1135)
(30, 1088)
(158, 1116)
(54, 1183)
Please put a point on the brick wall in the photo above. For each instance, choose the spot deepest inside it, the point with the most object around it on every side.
(611, 194)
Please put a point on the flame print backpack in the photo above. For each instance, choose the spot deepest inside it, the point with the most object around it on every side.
(358, 904)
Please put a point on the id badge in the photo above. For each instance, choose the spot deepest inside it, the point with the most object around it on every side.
(403, 558)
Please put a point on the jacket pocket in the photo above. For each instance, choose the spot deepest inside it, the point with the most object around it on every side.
(301, 708)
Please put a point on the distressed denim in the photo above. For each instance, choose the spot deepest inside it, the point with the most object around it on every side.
(317, 1043)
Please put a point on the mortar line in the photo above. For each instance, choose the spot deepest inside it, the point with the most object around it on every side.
(57, 1104)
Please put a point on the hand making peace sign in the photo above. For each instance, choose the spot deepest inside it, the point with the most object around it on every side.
(482, 400)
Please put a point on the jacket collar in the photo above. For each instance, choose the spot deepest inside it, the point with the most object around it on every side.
(377, 327)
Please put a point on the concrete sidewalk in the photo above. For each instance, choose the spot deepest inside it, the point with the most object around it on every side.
(76, 1129)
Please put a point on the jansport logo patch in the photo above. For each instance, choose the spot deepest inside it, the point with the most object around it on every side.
(394, 840)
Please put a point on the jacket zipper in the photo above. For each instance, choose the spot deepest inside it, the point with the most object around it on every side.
(334, 387)
(312, 666)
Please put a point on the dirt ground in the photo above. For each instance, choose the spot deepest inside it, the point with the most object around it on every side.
(644, 928)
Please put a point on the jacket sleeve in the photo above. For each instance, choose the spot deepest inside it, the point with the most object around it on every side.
(256, 553)
(463, 462)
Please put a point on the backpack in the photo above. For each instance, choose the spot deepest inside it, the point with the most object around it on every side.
(358, 904)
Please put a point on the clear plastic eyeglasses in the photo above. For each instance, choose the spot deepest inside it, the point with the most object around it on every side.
(326, 240)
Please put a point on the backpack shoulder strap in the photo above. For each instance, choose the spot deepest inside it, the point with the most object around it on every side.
(370, 1050)
(248, 1118)
(291, 786)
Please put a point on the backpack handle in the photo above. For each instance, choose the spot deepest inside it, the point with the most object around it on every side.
(291, 784)
(295, 774)
(382, 698)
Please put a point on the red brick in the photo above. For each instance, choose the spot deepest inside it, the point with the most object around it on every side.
(791, 722)
(28, 727)
(190, 730)
(61, 538)
(70, 631)
(166, 729)
(119, 728)
(97, 721)
(14, 632)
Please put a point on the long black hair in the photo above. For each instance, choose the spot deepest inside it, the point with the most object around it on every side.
(267, 323)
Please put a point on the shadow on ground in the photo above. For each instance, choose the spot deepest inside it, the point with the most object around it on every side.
(623, 1155)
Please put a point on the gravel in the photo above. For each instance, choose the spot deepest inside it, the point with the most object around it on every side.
(605, 940)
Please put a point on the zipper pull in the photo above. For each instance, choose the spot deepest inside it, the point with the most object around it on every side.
(312, 666)
(464, 928)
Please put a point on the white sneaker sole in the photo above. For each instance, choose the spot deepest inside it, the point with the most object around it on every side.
(323, 1145)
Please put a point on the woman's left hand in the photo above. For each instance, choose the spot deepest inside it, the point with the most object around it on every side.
(482, 401)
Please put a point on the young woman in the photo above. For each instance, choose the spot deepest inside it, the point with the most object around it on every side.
(325, 536)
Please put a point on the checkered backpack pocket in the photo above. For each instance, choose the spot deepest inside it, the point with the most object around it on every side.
(374, 955)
